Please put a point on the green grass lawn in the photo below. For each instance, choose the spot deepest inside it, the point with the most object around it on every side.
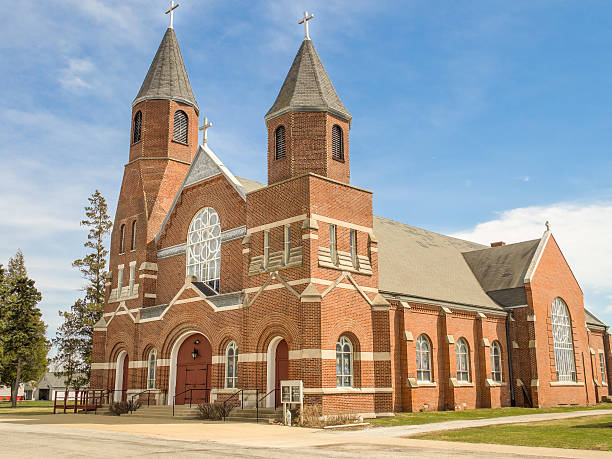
(427, 417)
(589, 432)
(27, 407)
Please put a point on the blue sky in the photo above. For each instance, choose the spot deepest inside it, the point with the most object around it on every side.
(477, 119)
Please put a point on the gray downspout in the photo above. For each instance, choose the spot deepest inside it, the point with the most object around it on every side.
(607, 360)
(510, 372)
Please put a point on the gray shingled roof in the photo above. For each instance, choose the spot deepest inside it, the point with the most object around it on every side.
(419, 263)
(502, 268)
(250, 185)
(307, 87)
(167, 77)
(592, 320)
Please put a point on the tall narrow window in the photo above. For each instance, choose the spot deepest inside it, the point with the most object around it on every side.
(137, 127)
(333, 244)
(423, 358)
(119, 280)
(231, 366)
(133, 235)
(344, 362)
(287, 247)
(132, 276)
(602, 367)
(354, 258)
(562, 341)
(151, 369)
(496, 362)
(463, 360)
(204, 247)
(266, 248)
(179, 133)
(122, 240)
(279, 143)
(337, 142)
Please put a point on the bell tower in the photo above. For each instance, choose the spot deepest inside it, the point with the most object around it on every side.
(308, 126)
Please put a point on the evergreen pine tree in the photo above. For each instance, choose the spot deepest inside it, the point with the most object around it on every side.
(74, 337)
(22, 330)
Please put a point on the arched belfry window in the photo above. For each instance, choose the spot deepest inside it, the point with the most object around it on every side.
(137, 127)
(133, 235)
(280, 149)
(562, 341)
(179, 133)
(337, 142)
(204, 247)
(344, 362)
(423, 358)
(122, 240)
(231, 366)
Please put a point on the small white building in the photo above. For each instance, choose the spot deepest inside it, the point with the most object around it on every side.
(48, 385)
(25, 392)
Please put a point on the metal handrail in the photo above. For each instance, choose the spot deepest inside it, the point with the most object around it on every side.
(148, 392)
(190, 390)
(263, 398)
(241, 392)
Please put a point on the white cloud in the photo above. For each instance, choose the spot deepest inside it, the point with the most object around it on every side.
(581, 230)
(73, 76)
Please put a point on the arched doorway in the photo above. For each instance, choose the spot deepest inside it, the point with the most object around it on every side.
(193, 362)
(278, 368)
(121, 377)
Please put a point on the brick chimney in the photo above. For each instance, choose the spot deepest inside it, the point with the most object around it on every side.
(498, 244)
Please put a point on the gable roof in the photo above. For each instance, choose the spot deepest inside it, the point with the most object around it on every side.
(592, 320)
(307, 87)
(167, 77)
(251, 185)
(501, 268)
(419, 263)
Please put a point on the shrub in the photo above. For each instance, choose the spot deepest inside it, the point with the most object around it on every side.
(213, 411)
(312, 416)
(120, 408)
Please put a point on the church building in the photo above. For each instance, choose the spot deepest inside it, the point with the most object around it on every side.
(219, 283)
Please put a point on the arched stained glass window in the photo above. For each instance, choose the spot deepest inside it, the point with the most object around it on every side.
(137, 130)
(151, 369)
(463, 360)
(280, 149)
(204, 247)
(562, 341)
(344, 362)
(337, 142)
(423, 358)
(231, 366)
(179, 133)
(496, 362)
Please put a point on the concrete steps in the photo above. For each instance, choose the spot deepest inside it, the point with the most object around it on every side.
(165, 412)
(250, 415)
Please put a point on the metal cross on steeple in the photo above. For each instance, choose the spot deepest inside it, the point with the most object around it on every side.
(304, 21)
(171, 13)
(204, 128)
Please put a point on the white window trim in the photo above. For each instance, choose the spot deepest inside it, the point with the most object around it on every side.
(342, 341)
(496, 345)
(333, 243)
(423, 338)
(287, 246)
(151, 381)
(466, 371)
(266, 249)
(231, 381)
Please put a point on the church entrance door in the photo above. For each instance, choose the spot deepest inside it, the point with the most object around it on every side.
(282, 367)
(193, 364)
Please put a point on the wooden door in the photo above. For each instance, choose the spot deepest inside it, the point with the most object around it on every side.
(193, 373)
(282, 367)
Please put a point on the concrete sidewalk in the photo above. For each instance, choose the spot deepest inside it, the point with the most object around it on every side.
(410, 430)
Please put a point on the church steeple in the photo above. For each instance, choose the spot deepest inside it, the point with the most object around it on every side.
(167, 77)
(308, 125)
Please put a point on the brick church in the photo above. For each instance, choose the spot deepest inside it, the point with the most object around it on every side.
(219, 283)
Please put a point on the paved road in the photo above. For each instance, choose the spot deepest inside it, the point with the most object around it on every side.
(75, 436)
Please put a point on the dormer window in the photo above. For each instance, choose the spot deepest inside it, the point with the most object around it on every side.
(279, 143)
(179, 133)
(137, 135)
(337, 143)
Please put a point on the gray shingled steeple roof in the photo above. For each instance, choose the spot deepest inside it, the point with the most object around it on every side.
(167, 77)
(307, 87)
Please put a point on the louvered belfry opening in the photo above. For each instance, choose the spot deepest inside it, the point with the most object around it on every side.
(337, 142)
(137, 127)
(179, 133)
(280, 144)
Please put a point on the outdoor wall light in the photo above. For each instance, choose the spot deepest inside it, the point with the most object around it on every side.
(195, 353)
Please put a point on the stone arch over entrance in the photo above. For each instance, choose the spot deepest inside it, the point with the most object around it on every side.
(190, 367)
(277, 359)
(121, 377)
